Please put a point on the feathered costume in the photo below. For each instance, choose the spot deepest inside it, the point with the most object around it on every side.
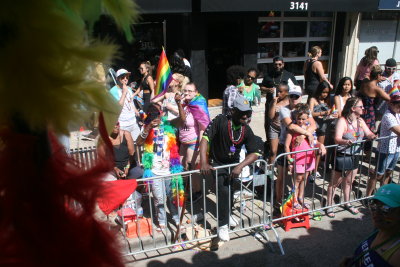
(46, 63)
(177, 187)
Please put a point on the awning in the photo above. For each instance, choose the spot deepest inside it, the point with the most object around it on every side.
(286, 5)
(389, 5)
(164, 6)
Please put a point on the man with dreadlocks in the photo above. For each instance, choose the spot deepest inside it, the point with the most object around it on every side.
(161, 157)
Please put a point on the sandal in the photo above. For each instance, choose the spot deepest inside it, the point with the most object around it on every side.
(330, 213)
(353, 210)
(303, 204)
(297, 206)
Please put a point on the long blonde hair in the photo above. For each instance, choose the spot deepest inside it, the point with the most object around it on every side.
(181, 79)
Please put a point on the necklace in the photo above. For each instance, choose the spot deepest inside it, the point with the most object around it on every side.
(280, 79)
(357, 133)
(232, 148)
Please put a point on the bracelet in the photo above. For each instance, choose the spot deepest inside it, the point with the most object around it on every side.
(144, 134)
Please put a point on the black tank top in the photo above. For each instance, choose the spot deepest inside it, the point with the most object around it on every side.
(146, 93)
(311, 79)
(121, 154)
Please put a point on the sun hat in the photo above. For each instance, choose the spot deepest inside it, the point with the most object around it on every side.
(122, 72)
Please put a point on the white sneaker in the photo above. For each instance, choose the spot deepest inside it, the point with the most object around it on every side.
(318, 175)
(223, 233)
(233, 222)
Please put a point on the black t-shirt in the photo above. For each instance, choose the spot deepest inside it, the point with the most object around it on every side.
(220, 143)
(272, 79)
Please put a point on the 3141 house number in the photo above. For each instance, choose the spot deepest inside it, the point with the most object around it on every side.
(298, 5)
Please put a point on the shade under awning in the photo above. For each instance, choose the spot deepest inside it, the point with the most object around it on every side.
(286, 5)
(164, 6)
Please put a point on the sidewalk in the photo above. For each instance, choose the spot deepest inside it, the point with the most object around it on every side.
(324, 244)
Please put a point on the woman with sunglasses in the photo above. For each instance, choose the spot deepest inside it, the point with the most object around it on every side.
(350, 128)
(364, 67)
(146, 86)
(249, 89)
(167, 100)
(390, 79)
(382, 247)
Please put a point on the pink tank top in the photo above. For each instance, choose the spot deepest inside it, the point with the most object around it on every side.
(302, 157)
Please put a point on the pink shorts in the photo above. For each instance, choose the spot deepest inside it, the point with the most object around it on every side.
(302, 168)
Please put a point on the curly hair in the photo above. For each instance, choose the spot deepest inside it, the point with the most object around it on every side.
(301, 109)
(235, 72)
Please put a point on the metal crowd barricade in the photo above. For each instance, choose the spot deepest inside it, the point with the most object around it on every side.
(249, 207)
(367, 163)
(85, 157)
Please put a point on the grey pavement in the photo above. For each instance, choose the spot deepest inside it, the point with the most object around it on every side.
(324, 244)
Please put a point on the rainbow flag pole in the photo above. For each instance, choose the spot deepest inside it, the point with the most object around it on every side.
(164, 75)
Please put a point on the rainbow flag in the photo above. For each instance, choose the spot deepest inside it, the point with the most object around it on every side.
(198, 107)
(394, 91)
(164, 75)
(287, 205)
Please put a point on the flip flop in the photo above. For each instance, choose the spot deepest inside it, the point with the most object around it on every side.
(330, 213)
(350, 208)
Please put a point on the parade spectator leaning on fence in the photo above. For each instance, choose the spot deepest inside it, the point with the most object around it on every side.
(287, 116)
(350, 128)
(234, 76)
(382, 247)
(160, 157)
(123, 94)
(225, 136)
(388, 148)
(270, 86)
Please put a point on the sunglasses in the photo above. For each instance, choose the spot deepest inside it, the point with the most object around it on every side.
(391, 68)
(295, 97)
(246, 113)
(278, 64)
(375, 206)
(362, 107)
(250, 77)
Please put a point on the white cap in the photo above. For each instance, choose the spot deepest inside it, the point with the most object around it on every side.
(295, 90)
(122, 72)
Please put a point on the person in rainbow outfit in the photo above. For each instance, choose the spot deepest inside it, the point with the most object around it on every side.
(161, 158)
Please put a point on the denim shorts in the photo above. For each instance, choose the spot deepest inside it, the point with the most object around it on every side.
(387, 162)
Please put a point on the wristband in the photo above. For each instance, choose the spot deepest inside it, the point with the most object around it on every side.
(290, 160)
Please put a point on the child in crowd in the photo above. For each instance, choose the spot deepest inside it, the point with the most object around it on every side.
(303, 162)
(321, 111)
(342, 93)
(281, 100)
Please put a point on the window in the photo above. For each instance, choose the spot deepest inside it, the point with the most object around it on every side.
(291, 35)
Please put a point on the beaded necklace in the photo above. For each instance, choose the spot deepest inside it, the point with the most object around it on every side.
(232, 148)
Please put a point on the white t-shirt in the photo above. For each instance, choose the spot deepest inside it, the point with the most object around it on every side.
(392, 145)
(127, 116)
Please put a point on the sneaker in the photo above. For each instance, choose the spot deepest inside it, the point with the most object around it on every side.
(233, 222)
(223, 233)
(318, 175)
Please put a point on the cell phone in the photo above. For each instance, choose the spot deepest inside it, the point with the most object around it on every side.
(274, 93)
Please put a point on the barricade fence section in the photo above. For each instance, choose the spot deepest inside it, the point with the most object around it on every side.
(308, 183)
(152, 220)
(85, 157)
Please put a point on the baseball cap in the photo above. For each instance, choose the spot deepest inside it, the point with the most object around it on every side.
(391, 62)
(295, 90)
(241, 103)
(389, 195)
(122, 72)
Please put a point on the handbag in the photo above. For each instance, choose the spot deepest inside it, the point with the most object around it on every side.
(345, 162)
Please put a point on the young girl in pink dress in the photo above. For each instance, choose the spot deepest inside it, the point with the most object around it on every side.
(303, 162)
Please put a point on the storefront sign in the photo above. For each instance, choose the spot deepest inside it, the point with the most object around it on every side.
(389, 5)
(287, 5)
